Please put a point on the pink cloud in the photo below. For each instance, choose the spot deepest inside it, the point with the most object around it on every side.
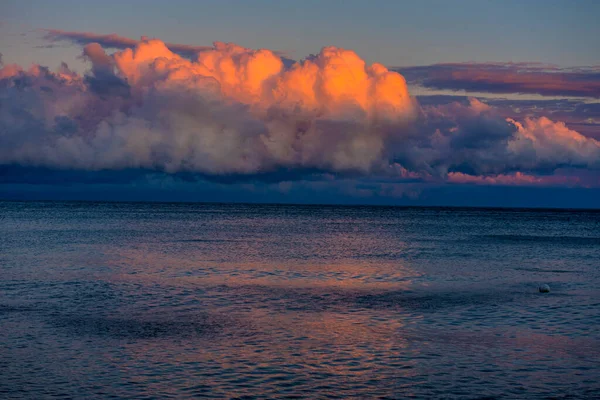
(515, 179)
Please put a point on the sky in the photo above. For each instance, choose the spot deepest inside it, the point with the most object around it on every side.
(475, 103)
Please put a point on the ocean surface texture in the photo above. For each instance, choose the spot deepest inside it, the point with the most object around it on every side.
(133, 300)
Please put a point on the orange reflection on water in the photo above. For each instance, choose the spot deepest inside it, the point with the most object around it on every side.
(192, 268)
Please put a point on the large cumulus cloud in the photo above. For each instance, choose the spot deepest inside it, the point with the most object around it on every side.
(232, 111)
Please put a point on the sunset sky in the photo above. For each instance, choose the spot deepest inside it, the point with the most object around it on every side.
(469, 103)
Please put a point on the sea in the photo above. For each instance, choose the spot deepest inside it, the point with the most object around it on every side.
(104, 300)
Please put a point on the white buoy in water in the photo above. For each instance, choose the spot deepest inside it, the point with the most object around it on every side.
(544, 288)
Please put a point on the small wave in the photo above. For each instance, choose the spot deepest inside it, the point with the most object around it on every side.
(198, 326)
(434, 301)
(553, 271)
(207, 240)
(574, 240)
(132, 328)
(4, 308)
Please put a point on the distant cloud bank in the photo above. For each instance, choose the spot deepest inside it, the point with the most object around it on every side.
(525, 78)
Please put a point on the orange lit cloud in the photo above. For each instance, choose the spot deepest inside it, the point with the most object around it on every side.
(334, 81)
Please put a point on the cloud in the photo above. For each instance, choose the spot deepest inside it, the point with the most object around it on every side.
(524, 78)
(578, 114)
(474, 139)
(114, 41)
(233, 111)
(518, 178)
(547, 143)
(233, 114)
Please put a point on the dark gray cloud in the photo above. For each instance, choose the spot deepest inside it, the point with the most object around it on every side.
(115, 41)
(525, 78)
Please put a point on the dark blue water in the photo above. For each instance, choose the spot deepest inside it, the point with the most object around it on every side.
(118, 300)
